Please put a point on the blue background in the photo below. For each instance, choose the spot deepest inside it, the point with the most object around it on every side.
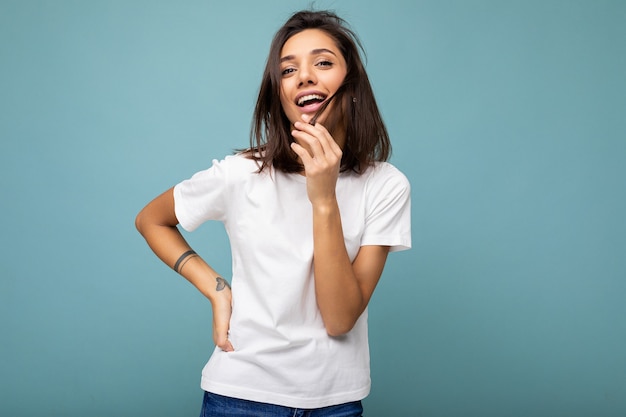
(508, 117)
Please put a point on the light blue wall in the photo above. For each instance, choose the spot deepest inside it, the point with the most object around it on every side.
(508, 117)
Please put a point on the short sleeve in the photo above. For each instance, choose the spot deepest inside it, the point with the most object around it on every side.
(388, 202)
(202, 197)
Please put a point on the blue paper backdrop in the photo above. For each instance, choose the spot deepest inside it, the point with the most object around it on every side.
(508, 117)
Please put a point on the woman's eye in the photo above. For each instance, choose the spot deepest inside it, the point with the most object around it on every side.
(287, 71)
(325, 64)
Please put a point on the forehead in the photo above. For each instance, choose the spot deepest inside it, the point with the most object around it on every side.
(308, 40)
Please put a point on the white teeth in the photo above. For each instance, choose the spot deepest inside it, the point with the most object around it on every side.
(304, 99)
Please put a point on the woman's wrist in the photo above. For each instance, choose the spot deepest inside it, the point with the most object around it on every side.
(222, 291)
(325, 207)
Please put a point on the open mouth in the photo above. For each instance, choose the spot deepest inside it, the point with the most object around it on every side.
(310, 99)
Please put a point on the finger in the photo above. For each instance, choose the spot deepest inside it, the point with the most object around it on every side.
(316, 130)
(330, 143)
(318, 135)
(227, 347)
(302, 153)
(317, 139)
(310, 143)
(222, 342)
(313, 156)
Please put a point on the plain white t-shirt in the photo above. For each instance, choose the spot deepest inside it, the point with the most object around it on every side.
(283, 354)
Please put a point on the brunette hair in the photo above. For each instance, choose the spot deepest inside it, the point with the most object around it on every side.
(366, 135)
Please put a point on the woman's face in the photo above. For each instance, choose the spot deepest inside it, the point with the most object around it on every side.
(312, 69)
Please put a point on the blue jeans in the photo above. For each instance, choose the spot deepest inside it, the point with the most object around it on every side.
(215, 405)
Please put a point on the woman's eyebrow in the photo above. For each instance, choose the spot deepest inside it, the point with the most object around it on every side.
(313, 52)
(322, 51)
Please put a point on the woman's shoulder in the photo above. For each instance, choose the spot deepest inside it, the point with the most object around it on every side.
(239, 161)
(385, 171)
(384, 180)
(380, 179)
(227, 168)
(240, 168)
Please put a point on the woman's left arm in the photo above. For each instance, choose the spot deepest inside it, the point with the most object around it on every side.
(343, 288)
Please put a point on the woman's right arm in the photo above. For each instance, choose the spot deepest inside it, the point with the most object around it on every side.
(157, 223)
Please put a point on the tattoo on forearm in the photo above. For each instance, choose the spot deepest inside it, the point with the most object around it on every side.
(178, 266)
(221, 284)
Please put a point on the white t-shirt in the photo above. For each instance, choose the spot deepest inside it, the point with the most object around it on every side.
(283, 354)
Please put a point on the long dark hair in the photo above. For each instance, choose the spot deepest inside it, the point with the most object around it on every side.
(366, 135)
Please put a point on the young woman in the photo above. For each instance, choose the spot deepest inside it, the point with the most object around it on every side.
(311, 210)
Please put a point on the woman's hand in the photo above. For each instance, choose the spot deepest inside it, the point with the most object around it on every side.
(222, 310)
(321, 157)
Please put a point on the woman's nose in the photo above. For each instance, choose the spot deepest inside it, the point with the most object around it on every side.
(306, 77)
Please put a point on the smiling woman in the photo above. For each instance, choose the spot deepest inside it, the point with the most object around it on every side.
(323, 42)
(310, 78)
(292, 332)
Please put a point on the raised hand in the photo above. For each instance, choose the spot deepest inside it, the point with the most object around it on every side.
(321, 157)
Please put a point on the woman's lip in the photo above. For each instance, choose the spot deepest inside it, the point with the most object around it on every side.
(309, 93)
(311, 108)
